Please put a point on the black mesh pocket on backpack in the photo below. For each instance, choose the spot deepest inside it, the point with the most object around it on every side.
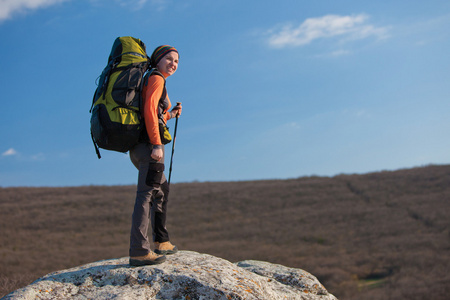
(126, 91)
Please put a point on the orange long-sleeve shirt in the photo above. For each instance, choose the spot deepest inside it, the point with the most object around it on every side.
(151, 94)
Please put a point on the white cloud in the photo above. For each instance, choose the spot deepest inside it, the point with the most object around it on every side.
(9, 152)
(353, 27)
(134, 5)
(10, 7)
(340, 53)
(38, 157)
(35, 157)
(335, 53)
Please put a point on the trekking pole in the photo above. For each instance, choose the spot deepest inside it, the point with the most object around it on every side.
(173, 144)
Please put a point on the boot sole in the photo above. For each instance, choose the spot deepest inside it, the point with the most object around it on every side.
(166, 252)
(138, 263)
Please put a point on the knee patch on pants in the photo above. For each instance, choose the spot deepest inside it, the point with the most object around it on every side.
(155, 174)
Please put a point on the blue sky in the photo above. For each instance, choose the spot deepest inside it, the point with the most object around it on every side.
(270, 89)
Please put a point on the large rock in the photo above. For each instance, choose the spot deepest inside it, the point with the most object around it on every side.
(185, 275)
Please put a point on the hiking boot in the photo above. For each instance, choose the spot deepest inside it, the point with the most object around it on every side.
(165, 248)
(150, 259)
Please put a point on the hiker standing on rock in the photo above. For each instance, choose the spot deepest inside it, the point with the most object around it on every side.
(148, 157)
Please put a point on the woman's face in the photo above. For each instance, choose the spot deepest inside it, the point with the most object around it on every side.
(168, 64)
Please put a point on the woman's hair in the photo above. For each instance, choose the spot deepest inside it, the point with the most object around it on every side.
(159, 53)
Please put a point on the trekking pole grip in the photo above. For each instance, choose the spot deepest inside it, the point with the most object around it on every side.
(173, 144)
(178, 103)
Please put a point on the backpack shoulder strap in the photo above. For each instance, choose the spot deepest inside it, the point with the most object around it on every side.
(152, 72)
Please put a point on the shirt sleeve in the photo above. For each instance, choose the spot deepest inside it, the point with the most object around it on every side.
(151, 93)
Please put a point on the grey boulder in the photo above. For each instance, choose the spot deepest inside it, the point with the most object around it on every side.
(185, 275)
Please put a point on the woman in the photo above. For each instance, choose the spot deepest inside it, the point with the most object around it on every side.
(148, 157)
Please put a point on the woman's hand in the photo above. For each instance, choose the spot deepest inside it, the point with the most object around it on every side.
(176, 111)
(157, 153)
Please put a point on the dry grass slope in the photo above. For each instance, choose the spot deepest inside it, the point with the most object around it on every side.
(381, 235)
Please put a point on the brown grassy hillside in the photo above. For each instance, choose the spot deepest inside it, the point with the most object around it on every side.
(382, 235)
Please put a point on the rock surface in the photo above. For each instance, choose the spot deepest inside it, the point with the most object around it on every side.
(185, 275)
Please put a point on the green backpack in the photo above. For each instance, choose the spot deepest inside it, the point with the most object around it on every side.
(116, 122)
